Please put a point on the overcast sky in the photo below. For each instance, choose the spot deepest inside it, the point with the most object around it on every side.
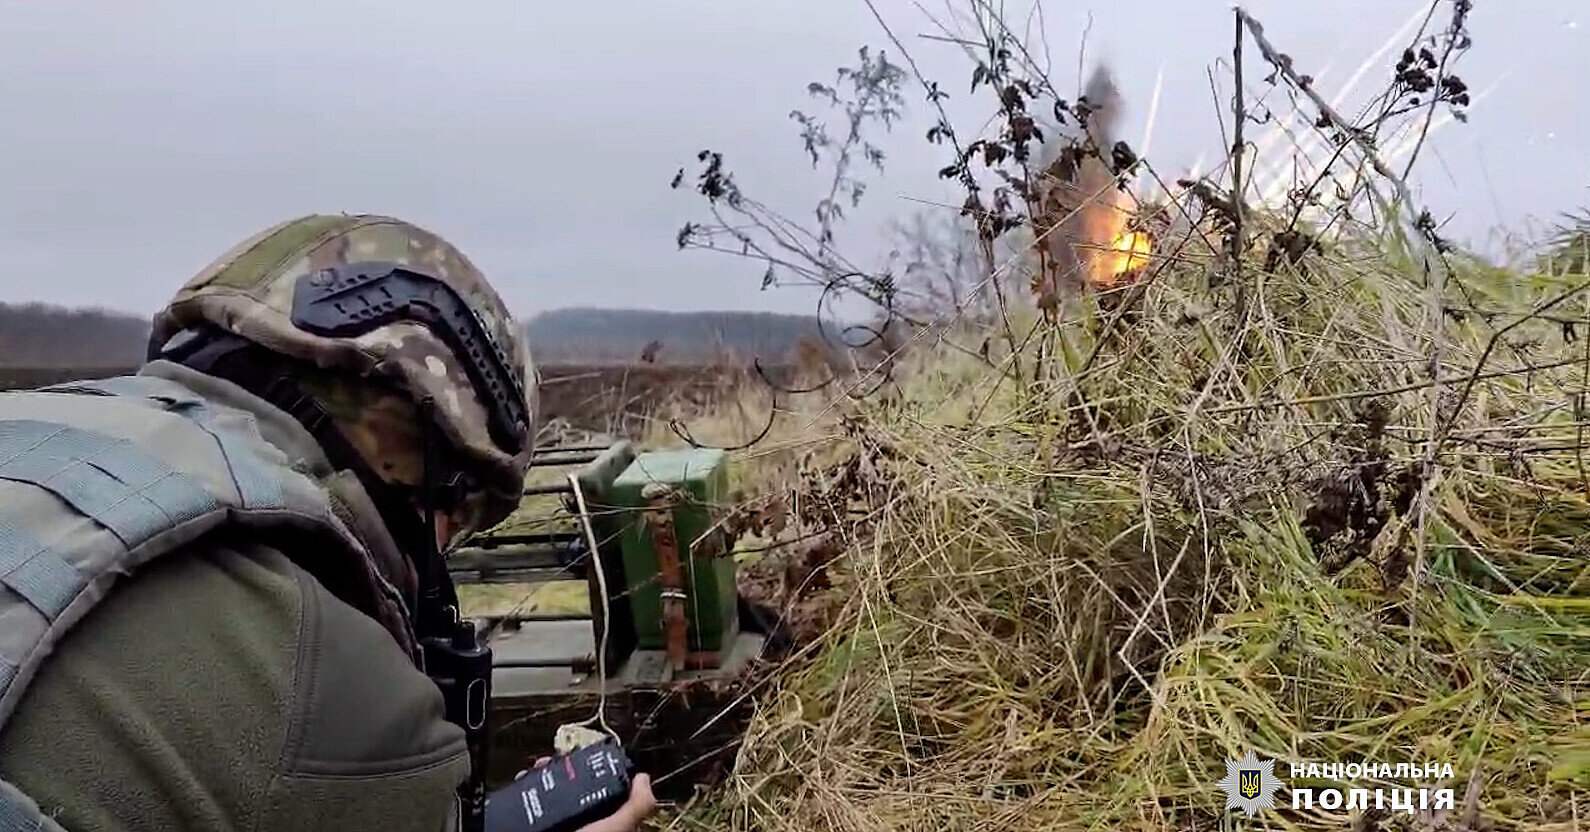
(140, 139)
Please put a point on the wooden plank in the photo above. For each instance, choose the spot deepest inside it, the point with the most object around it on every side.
(512, 576)
(498, 541)
(501, 559)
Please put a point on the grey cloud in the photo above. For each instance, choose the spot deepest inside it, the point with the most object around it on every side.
(139, 140)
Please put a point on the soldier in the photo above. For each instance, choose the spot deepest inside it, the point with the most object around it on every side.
(221, 577)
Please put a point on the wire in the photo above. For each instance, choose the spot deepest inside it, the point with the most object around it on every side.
(607, 624)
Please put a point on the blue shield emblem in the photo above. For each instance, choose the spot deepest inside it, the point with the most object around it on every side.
(1250, 782)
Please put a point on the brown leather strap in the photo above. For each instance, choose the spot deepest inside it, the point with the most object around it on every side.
(670, 576)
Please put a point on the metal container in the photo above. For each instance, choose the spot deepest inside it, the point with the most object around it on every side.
(673, 559)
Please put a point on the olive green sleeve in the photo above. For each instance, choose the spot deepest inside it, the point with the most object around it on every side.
(368, 747)
(227, 690)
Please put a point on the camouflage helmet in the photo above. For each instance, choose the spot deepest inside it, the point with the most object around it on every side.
(320, 289)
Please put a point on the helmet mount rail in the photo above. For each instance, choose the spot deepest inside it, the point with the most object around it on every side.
(350, 300)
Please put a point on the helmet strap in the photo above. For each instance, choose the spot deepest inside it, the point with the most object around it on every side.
(456, 658)
(438, 606)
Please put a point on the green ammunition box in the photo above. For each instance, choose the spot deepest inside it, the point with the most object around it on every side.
(700, 478)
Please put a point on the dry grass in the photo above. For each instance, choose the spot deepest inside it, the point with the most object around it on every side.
(1066, 605)
(1312, 486)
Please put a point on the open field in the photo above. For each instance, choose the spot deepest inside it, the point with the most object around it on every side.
(606, 398)
(621, 399)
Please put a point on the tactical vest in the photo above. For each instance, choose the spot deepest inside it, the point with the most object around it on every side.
(97, 479)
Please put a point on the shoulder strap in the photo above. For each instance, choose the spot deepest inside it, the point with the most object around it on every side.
(256, 488)
(257, 470)
(94, 486)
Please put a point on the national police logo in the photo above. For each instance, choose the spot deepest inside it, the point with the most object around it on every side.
(1250, 784)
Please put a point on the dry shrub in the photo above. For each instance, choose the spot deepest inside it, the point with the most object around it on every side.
(1066, 604)
(1310, 484)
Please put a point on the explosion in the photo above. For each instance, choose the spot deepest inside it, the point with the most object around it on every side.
(1086, 213)
(1127, 254)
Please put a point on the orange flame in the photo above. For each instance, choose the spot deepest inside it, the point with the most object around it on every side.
(1128, 253)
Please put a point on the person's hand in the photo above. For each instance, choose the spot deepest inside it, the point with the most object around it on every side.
(641, 805)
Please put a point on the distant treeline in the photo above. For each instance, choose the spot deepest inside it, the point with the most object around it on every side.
(624, 336)
(39, 335)
(43, 336)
